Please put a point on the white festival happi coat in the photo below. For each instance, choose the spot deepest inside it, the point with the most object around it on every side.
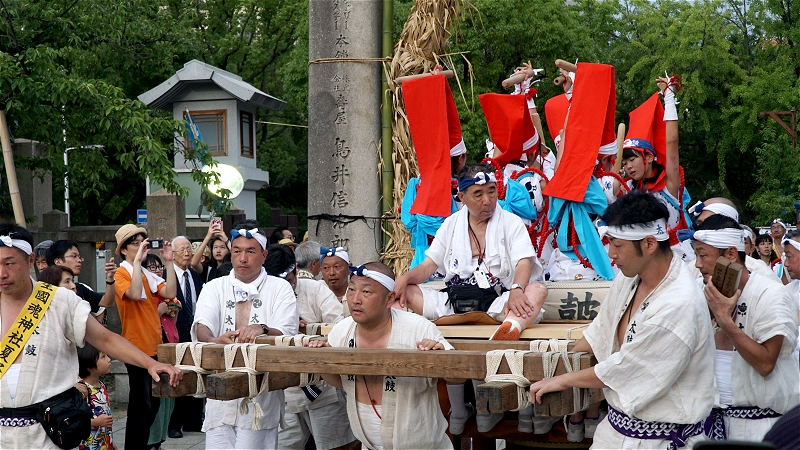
(507, 242)
(664, 371)
(275, 306)
(412, 417)
(316, 304)
(764, 310)
(49, 365)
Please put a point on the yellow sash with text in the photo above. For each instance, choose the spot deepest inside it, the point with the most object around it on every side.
(25, 324)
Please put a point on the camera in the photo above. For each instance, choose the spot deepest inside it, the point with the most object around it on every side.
(156, 244)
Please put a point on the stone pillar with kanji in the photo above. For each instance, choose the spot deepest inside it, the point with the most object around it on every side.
(344, 119)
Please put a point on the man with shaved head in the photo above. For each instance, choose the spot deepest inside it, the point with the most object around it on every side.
(391, 412)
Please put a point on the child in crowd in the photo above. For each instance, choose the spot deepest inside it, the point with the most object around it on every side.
(93, 363)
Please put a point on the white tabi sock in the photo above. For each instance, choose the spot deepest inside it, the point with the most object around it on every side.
(458, 407)
(514, 324)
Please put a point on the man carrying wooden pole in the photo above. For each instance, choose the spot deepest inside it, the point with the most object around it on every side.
(390, 411)
(238, 308)
(652, 337)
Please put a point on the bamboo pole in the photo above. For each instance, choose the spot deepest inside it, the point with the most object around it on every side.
(11, 171)
(387, 166)
(401, 80)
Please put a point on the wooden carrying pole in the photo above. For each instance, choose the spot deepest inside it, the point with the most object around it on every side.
(401, 80)
(283, 364)
(11, 171)
(620, 143)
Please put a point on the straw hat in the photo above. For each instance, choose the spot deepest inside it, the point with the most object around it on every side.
(125, 232)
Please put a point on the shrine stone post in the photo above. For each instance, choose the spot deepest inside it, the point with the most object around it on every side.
(344, 120)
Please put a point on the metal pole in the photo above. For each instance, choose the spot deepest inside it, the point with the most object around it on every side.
(66, 185)
(11, 172)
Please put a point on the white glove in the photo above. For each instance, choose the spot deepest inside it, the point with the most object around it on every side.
(670, 103)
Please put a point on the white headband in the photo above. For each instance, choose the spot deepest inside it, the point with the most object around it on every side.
(459, 149)
(384, 280)
(254, 234)
(338, 251)
(716, 208)
(8, 241)
(608, 149)
(749, 233)
(724, 238)
(779, 221)
(791, 242)
(635, 232)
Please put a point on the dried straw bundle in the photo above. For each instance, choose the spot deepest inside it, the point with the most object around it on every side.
(424, 36)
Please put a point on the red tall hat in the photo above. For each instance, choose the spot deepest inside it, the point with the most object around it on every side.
(647, 123)
(590, 125)
(510, 125)
(436, 134)
(555, 112)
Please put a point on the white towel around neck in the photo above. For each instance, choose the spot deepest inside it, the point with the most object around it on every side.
(153, 280)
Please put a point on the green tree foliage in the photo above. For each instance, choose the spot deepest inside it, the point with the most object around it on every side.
(79, 65)
(63, 71)
(736, 58)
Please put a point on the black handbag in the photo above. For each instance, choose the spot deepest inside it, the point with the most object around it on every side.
(66, 418)
(469, 297)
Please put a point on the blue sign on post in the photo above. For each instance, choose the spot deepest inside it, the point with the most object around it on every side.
(141, 216)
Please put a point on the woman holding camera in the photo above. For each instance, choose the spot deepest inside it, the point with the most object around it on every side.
(136, 294)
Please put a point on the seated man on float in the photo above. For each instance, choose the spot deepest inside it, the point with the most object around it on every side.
(487, 258)
(489, 262)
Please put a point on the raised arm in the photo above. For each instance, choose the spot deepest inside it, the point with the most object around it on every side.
(134, 291)
(109, 298)
(672, 163)
(171, 288)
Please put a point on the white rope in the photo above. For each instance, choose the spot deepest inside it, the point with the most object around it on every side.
(315, 328)
(554, 349)
(569, 331)
(196, 350)
(515, 359)
(249, 352)
(553, 345)
(300, 340)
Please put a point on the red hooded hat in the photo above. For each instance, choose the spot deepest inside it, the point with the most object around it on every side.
(590, 125)
(510, 125)
(436, 135)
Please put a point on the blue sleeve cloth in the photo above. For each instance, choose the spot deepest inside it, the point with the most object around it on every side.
(591, 247)
(419, 225)
(518, 201)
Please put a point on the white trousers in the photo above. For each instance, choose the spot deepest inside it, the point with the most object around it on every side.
(228, 437)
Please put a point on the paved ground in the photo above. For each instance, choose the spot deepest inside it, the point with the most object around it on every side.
(190, 440)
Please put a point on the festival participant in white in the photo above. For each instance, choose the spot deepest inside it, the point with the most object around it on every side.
(335, 265)
(388, 412)
(238, 308)
(756, 368)
(41, 326)
(318, 409)
(484, 251)
(651, 157)
(792, 255)
(701, 211)
(652, 338)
